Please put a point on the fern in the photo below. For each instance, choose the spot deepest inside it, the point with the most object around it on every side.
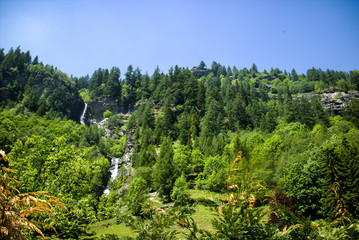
(16, 208)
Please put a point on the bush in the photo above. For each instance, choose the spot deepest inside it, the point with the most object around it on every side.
(179, 194)
(107, 114)
(136, 195)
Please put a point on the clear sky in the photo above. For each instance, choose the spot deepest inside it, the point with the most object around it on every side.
(80, 36)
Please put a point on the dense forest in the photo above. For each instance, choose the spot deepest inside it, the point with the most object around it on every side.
(273, 154)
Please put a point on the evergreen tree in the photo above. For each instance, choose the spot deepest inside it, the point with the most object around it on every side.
(163, 172)
(156, 76)
(341, 165)
(202, 65)
(112, 85)
(351, 112)
(294, 75)
(238, 118)
(253, 69)
(169, 117)
(148, 119)
(184, 126)
(201, 97)
(190, 93)
(136, 195)
(354, 78)
(145, 87)
(35, 61)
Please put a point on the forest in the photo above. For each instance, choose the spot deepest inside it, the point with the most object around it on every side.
(211, 152)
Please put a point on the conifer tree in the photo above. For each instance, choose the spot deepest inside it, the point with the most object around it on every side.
(341, 166)
(168, 117)
(163, 173)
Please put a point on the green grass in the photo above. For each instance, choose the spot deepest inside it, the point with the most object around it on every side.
(110, 227)
(202, 216)
(196, 194)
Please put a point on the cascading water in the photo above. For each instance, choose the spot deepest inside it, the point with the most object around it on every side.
(82, 118)
(125, 163)
(114, 172)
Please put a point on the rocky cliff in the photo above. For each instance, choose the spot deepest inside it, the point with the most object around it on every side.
(97, 107)
(335, 101)
(198, 73)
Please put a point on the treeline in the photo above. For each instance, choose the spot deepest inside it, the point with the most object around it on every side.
(40, 88)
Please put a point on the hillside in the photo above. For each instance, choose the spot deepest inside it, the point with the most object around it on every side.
(274, 153)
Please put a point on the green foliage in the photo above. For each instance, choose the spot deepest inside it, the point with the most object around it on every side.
(156, 225)
(215, 171)
(302, 181)
(107, 114)
(340, 165)
(239, 221)
(182, 160)
(164, 171)
(136, 196)
(351, 112)
(179, 194)
(274, 119)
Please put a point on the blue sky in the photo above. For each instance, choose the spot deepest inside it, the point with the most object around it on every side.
(81, 36)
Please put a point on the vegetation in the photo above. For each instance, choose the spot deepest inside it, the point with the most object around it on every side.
(261, 149)
(17, 209)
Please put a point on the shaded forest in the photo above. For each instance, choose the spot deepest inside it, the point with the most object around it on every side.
(279, 149)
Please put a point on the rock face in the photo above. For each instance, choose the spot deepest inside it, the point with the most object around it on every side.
(97, 107)
(198, 73)
(335, 101)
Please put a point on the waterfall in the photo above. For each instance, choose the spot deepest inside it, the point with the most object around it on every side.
(114, 172)
(82, 118)
(125, 163)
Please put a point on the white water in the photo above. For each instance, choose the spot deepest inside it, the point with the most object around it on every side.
(82, 118)
(114, 172)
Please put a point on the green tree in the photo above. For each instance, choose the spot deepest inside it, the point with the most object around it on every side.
(164, 171)
(202, 65)
(294, 75)
(180, 195)
(253, 69)
(169, 117)
(184, 126)
(354, 78)
(148, 118)
(112, 85)
(351, 112)
(302, 180)
(137, 195)
(17, 209)
(341, 165)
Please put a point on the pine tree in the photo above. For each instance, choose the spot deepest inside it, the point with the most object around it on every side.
(341, 166)
(168, 117)
(201, 98)
(163, 173)
(202, 65)
(136, 195)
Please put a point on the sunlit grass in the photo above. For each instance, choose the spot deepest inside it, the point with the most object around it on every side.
(196, 194)
(202, 217)
(110, 227)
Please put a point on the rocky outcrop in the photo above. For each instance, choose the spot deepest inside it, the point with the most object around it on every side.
(335, 101)
(198, 73)
(97, 107)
